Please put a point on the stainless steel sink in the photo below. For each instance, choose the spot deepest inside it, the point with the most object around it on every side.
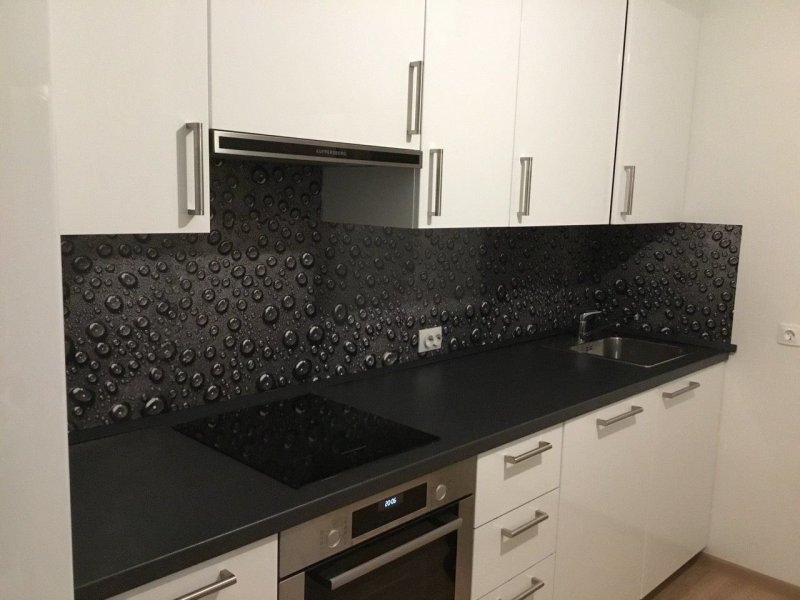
(630, 350)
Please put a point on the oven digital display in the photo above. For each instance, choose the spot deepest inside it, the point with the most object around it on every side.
(388, 509)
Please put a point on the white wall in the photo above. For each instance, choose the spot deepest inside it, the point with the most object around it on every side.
(35, 549)
(745, 168)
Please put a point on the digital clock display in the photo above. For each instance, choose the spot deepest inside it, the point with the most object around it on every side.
(388, 509)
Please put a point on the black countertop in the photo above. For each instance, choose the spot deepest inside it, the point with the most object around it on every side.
(152, 502)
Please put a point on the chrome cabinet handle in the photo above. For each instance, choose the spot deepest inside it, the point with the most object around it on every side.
(540, 517)
(414, 111)
(630, 181)
(435, 183)
(199, 207)
(693, 385)
(526, 176)
(384, 559)
(226, 579)
(536, 585)
(635, 410)
(543, 447)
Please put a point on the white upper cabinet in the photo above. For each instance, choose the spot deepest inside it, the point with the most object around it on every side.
(317, 69)
(470, 77)
(570, 63)
(655, 111)
(127, 76)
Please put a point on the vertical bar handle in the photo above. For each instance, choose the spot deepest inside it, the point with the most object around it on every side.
(526, 176)
(414, 110)
(435, 183)
(199, 207)
(630, 182)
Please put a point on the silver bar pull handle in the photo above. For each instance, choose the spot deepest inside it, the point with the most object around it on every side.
(435, 183)
(630, 182)
(226, 579)
(539, 517)
(199, 207)
(693, 385)
(414, 111)
(526, 176)
(356, 572)
(536, 585)
(635, 410)
(543, 447)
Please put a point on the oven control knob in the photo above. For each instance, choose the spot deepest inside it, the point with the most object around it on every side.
(440, 492)
(334, 538)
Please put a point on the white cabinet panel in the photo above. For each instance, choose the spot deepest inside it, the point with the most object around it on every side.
(315, 69)
(503, 484)
(570, 65)
(602, 514)
(656, 109)
(255, 567)
(682, 474)
(539, 577)
(513, 542)
(471, 53)
(127, 76)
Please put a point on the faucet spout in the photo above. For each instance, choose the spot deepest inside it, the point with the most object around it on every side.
(583, 323)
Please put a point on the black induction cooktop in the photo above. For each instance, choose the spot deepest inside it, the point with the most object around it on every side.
(304, 439)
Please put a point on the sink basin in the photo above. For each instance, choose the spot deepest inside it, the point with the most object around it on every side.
(630, 350)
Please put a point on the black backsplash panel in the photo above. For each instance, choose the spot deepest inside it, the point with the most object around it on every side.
(274, 296)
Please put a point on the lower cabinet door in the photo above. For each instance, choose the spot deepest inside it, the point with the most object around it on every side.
(535, 583)
(251, 573)
(682, 476)
(513, 542)
(604, 477)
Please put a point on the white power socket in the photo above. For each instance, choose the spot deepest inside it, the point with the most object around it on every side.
(789, 334)
(429, 339)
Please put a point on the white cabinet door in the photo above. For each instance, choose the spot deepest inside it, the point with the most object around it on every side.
(255, 568)
(470, 77)
(604, 479)
(570, 63)
(316, 69)
(655, 110)
(126, 78)
(682, 477)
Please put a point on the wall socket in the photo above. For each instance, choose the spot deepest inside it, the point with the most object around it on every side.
(789, 334)
(429, 339)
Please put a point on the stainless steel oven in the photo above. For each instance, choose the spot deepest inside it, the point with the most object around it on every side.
(410, 542)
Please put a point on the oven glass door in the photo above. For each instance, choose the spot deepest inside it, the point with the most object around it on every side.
(414, 561)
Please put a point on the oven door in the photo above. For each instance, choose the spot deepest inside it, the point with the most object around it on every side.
(423, 559)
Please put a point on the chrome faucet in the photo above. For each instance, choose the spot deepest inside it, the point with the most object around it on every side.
(583, 323)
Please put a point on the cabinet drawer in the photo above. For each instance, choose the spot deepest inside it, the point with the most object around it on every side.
(255, 568)
(505, 547)
(511, 475)
(539, 576)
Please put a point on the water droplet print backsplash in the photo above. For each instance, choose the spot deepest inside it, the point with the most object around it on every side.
(274, 296)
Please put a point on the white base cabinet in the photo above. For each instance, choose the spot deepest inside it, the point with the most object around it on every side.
(684, 451)
(127, 77)
(255, 568)
(636, 493)
(603, 498)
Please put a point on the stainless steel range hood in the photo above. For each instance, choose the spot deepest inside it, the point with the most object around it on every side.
(311, 151)
(364, 185)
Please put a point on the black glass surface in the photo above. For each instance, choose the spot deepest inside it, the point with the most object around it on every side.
(304, 439)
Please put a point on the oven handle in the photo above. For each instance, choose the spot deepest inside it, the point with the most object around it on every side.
(342, 579)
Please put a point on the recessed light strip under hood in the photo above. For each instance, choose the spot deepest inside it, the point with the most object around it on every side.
(311, 151)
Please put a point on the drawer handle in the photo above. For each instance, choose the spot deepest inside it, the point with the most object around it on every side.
(226, 579)
(693, 385)
(540, 517)
(635, 410)
(536, 585)
(543, 447)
